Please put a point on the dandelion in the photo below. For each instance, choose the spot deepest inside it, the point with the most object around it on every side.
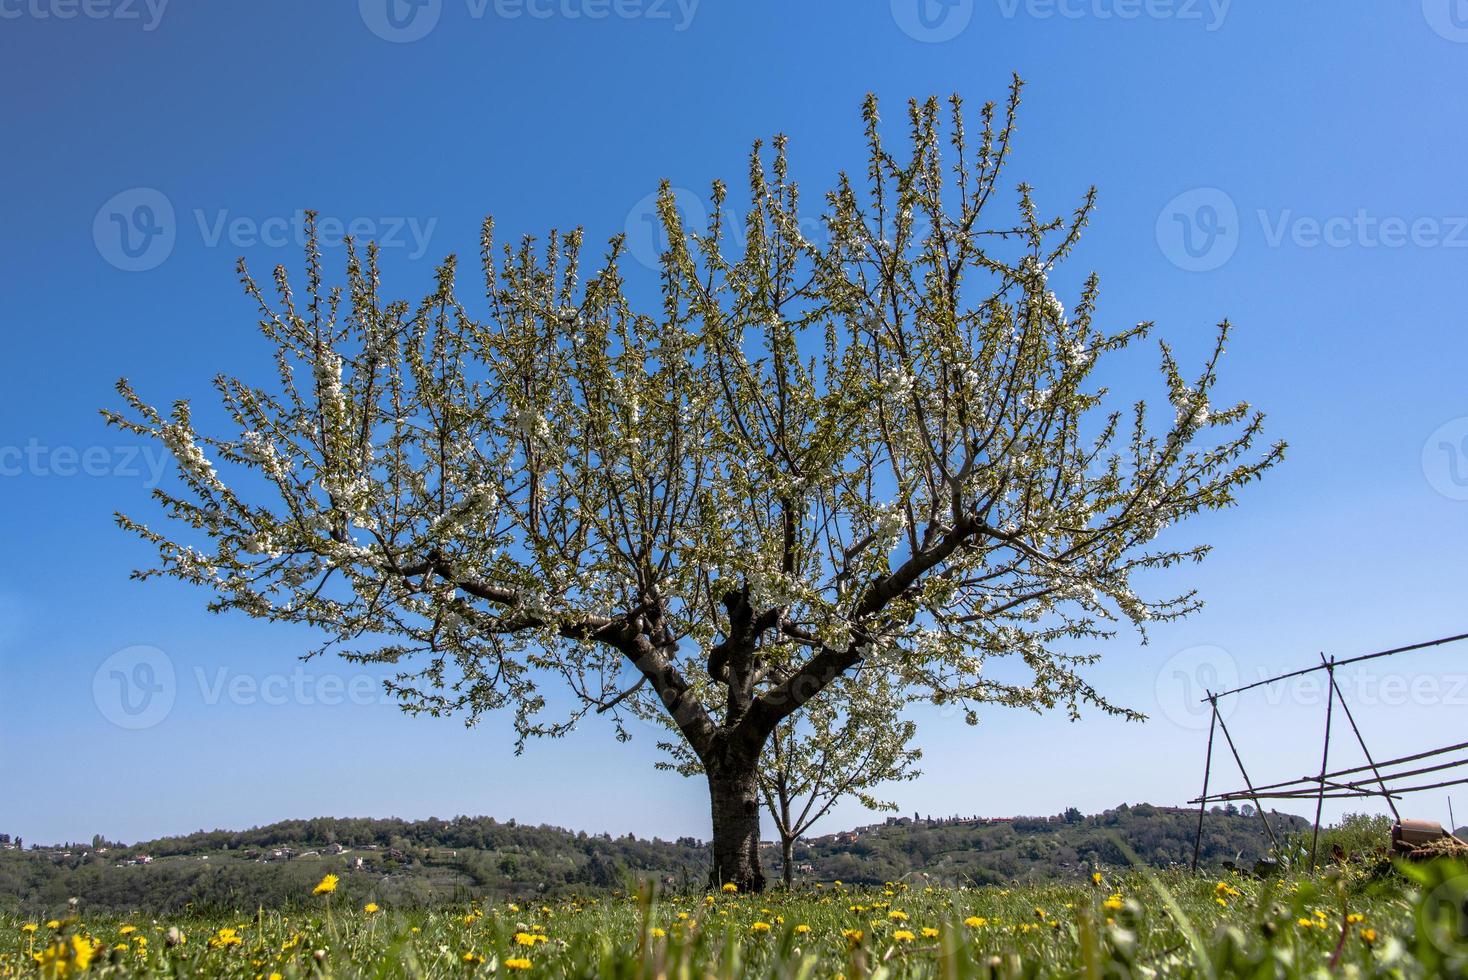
(53, 924)
(682, 916)
(929, 932)
(225, 938)
(802, 929)
(897, 915)
(729, 888)
(1095, 877)
(66, 957)
(657, 933)
(1368, 935)
(760, 927)
(326, 886)
(371, 908)
(976, 922)
(29, 927)
(852, 936)
(474, 959)
(903, 936)
(124, 931)
(517, 963)
(1355, 918)
(529, 938)
(1113, 903)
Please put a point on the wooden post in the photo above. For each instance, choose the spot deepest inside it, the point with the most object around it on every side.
(1324, 758)
(1207, 770)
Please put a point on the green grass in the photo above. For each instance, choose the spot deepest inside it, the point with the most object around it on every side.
(1359, 922)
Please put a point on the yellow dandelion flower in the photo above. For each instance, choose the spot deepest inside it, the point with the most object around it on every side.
(852, 936)
(473, 959)
(802, 929)
(729, 888)
(929, 932)
(897, 915)
(657, 933)
(1355, 917)
(517, 963)
(903, 936)
(225, 938)
(1113, 903)
(371, 908)
(327, 885)
(1368, 935)
(682, 916)
(760, 927)
(29, 927)
(976, 922)
(53, 924)
(1095, 877)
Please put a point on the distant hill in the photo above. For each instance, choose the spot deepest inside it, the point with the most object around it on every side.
(433, 861)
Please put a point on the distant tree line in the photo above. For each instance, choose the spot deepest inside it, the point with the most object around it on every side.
(434, 861)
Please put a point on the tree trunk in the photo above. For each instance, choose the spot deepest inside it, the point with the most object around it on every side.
(734, 794)
(787, 858)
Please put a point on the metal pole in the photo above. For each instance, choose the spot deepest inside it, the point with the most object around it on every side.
(1324, 759)
(1207, 769)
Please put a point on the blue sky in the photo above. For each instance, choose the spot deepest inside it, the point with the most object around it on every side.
(1296, 167)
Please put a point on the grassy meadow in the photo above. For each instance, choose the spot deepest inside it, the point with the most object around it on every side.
(1354, 921)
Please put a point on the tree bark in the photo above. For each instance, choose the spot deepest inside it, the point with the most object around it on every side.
(734, 795)
(787, 858)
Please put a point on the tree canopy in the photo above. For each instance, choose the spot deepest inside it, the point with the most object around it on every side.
(879, 449)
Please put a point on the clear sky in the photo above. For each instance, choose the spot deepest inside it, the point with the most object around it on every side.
(1295, 166)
